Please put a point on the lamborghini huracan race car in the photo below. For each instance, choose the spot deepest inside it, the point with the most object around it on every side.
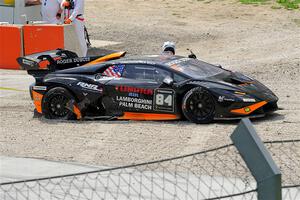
(154, 87)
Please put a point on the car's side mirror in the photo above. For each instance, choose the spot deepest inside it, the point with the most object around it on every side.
(168, 80)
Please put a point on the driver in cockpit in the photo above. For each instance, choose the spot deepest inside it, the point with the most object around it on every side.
(168, 48)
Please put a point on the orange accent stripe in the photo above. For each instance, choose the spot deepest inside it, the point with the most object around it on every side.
(77, 112)
(148, 116)
(106, 58)
(37, 100)
(249, 109)
(246, 83)
(241, 93)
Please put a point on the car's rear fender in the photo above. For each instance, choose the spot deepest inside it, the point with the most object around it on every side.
(83, 90)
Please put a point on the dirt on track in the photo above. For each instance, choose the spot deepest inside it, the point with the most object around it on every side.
(259, 41)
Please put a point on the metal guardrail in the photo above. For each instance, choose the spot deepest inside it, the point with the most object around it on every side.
(220, 173)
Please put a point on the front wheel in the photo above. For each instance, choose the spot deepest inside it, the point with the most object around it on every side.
(56, 104)
(198, 106)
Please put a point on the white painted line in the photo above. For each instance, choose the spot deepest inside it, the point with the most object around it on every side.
(15, 169)
(103, 43)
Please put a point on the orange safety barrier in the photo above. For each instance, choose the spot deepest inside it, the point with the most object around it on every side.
(39, 38)
(20, 40)
(11, 46)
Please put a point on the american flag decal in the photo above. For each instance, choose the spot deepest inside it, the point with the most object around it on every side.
(114, 71)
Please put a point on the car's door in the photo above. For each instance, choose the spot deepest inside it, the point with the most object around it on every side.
(139, 89)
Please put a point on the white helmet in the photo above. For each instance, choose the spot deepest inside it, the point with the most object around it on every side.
(169, 46)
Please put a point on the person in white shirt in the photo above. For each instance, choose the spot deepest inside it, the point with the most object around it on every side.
(73, 14)
(51, 11)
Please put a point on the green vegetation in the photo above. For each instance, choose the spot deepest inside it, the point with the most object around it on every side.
(289, 4)
(253, 1)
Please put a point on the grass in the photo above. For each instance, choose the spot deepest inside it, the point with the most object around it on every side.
(289, 4)
(253, 1)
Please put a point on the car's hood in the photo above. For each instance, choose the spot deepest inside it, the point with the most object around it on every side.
(239, 82)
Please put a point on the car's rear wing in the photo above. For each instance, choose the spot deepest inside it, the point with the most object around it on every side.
(40, 64)
(62, 59)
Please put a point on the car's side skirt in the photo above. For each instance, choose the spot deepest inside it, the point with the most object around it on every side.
(241, 117)
(148, 116)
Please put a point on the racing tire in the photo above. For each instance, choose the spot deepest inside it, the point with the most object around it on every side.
(56, 103)
(198, 106)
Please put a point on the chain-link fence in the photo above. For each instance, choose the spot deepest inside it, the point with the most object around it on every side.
(219, 173)
(286, 155)
(212, 174)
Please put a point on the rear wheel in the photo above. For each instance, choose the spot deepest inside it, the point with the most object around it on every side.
(57, 104)
(198, 106)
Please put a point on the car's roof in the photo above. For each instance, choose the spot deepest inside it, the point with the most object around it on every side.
(155, 59)
(165, 60)
(152, 58)
(143, 59)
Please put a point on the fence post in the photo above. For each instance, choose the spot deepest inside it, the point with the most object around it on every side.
(258, 160)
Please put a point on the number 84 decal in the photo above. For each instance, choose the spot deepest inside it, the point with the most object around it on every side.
(164, 100)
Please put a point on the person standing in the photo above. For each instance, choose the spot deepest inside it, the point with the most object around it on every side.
(73, 14)
(51, 11)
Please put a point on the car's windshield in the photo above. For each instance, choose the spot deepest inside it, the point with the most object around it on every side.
(195, 68)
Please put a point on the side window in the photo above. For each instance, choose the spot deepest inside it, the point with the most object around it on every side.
(178, 78)
(145, 72)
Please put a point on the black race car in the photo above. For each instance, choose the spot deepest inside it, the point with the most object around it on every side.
(154, 87)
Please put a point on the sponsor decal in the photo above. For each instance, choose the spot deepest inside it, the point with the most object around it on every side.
(239, 93)
(139, 62)
(132, 94)
(223, 98)
(114, 71)
(37, 97)
(176, 67)
(89, 86)
(178, 61)
(137, 103)
(247, 109)
(129, 89)
(73, 60)
(42, 88)
(28, 62)
(100, 77)
(164, 100)
(249, 100)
